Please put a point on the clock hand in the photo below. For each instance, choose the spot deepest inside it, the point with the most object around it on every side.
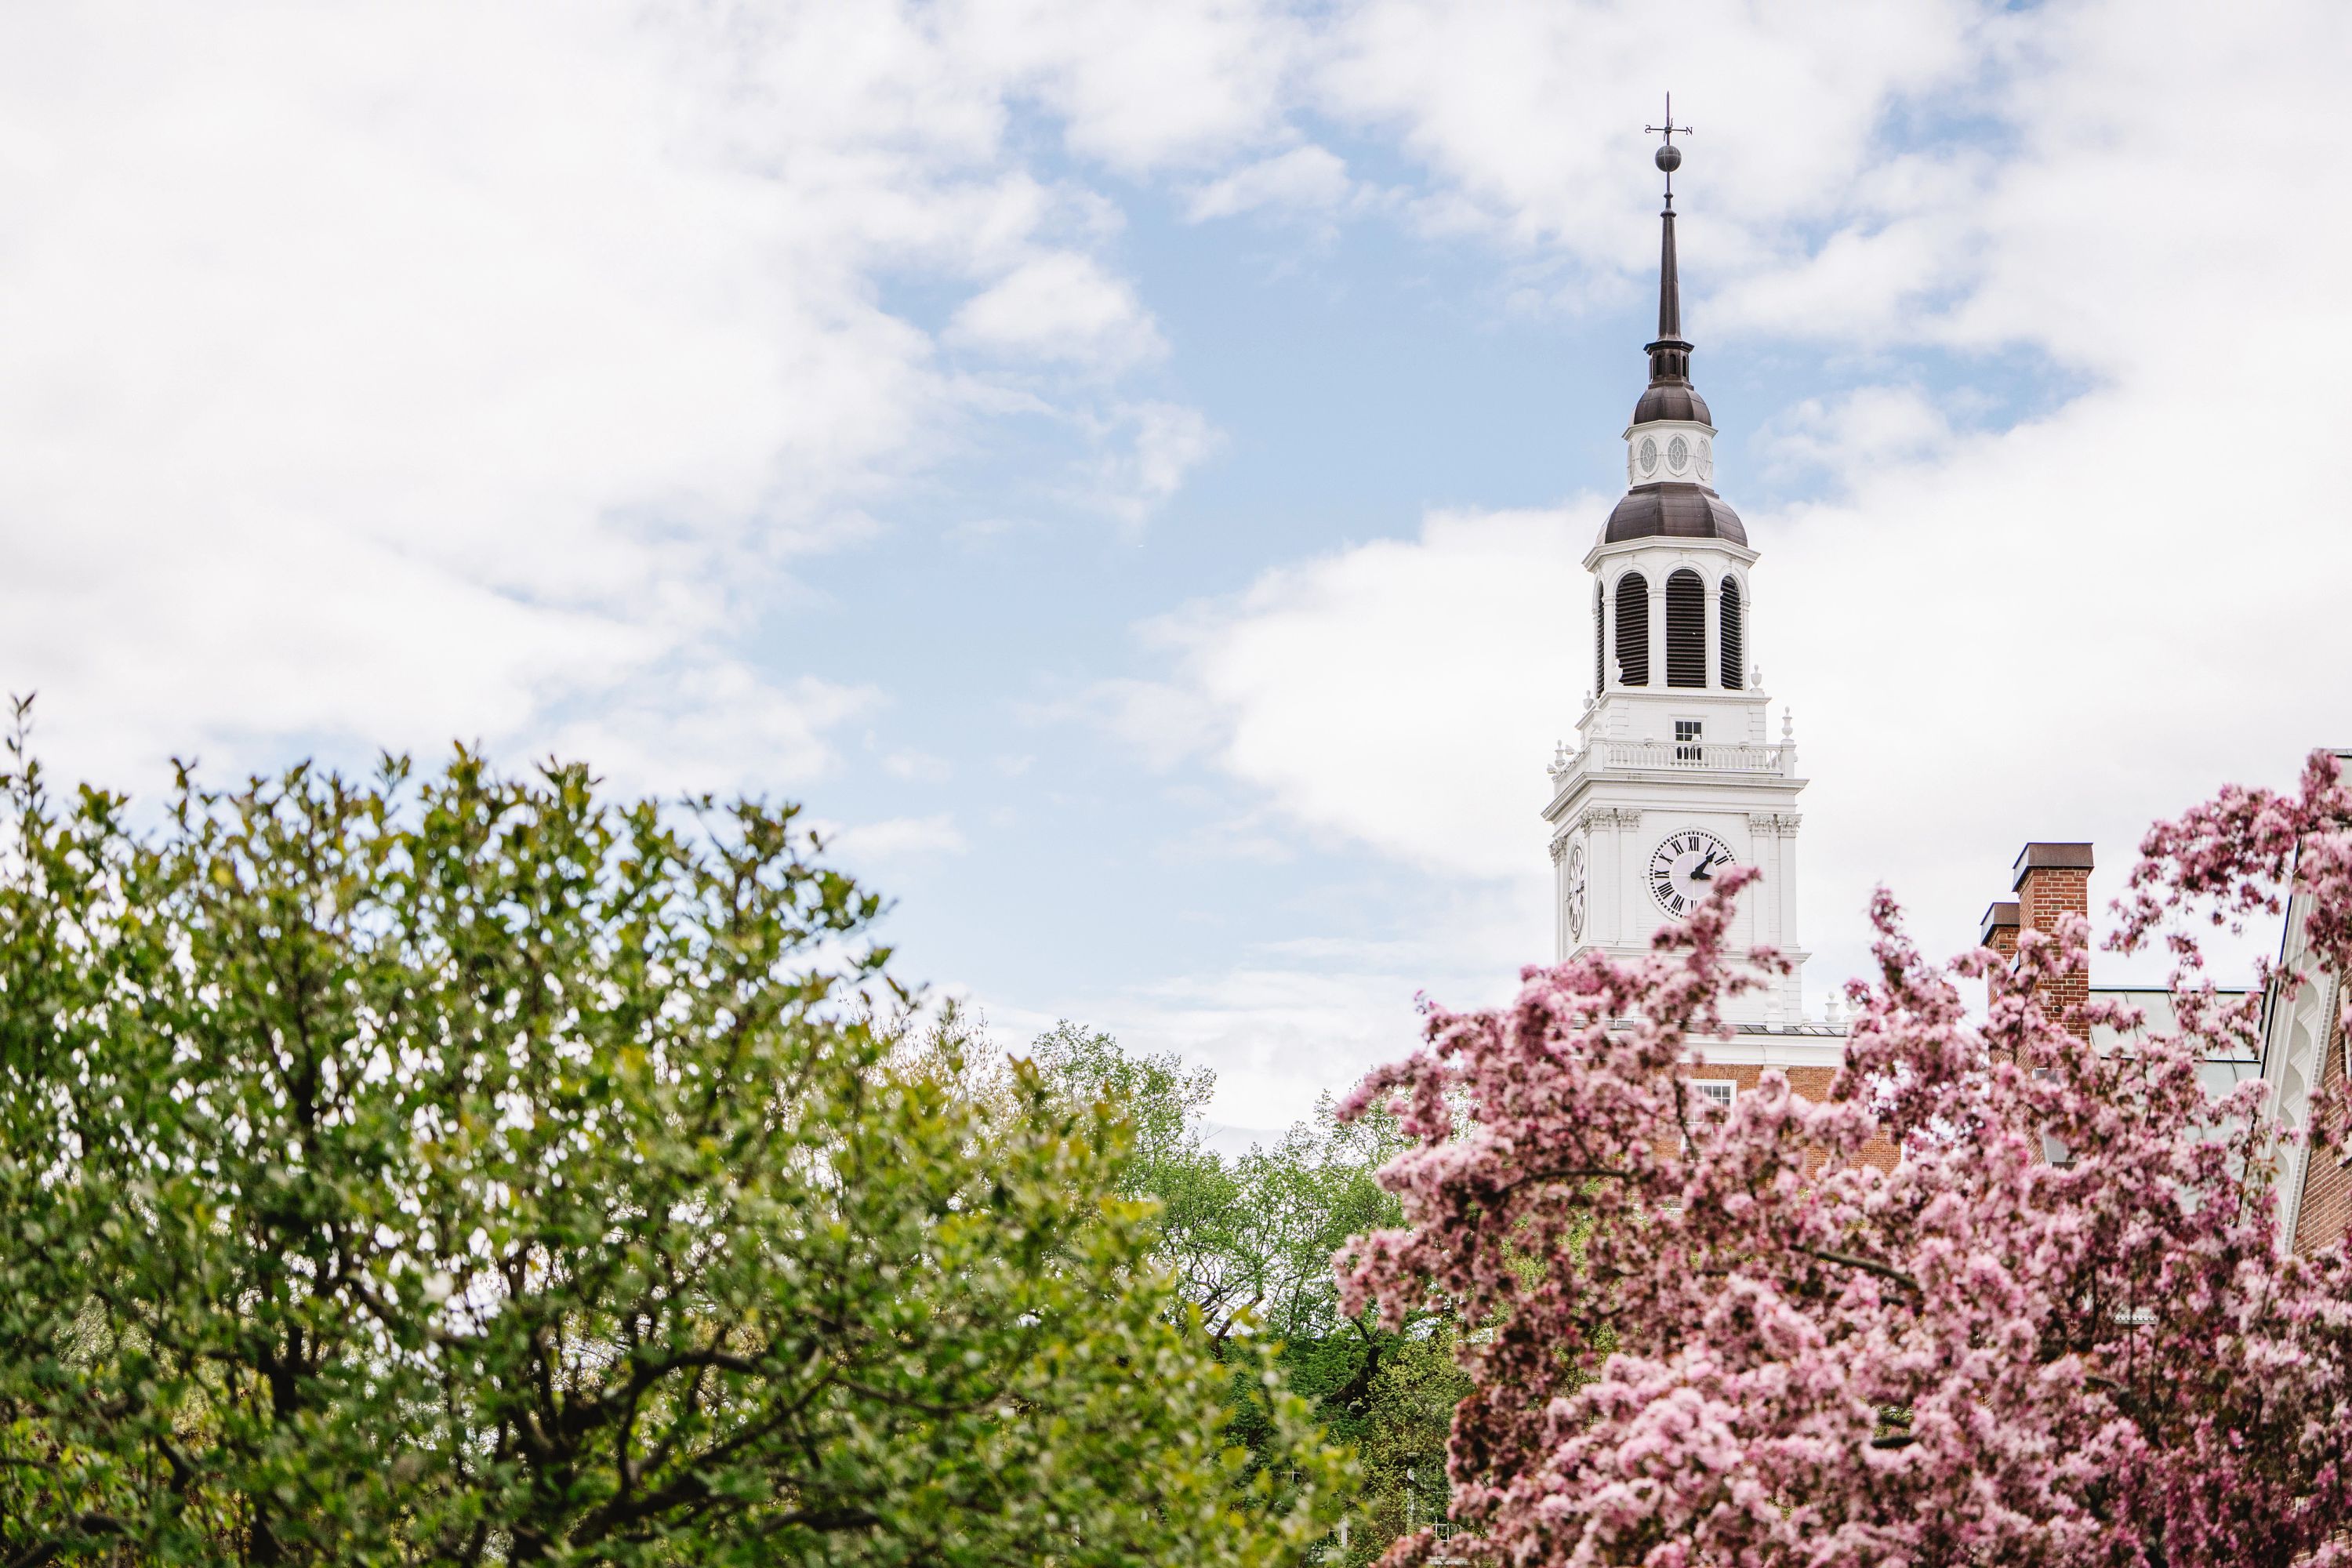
(1698, 873)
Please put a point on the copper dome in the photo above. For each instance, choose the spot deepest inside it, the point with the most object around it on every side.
(1671, 511)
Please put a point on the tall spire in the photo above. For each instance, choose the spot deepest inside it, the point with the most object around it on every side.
(1670, 394)
(1670, 288)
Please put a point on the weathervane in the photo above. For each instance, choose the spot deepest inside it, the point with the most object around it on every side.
(1670, 157)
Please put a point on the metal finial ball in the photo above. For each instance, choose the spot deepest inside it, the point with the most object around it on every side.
(1670, 157)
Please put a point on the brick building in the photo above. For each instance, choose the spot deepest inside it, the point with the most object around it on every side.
(2049, 881)
(2303, 1049)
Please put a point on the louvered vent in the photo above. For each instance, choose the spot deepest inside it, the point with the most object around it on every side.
(1686, 629)
(1735, 657)
(1634, 629)
(1600, 671)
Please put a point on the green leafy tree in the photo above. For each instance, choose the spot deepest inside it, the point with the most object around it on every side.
(1201, 1213)
(1387, 1391)
(478, 1171)
(1251, 1241)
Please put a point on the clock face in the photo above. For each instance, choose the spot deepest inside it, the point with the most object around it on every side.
(1683, 868)
(1649, 454)
(1576, 892)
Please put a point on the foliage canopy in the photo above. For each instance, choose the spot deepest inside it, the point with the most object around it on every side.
(476, 1169)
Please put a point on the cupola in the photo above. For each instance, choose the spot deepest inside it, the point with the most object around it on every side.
(1670, 445)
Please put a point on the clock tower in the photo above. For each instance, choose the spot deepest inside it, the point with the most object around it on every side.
(1675, 773)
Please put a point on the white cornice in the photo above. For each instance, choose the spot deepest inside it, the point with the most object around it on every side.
(1662, 545)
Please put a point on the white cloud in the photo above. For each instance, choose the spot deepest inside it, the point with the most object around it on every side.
(1061, 306)
(1309, 178)
(1528, 112)
(1292, 1020)
(372, 377)
(1174, 81)
(1856, 432)
(1165, 442)
(1403, 693)
(711, 722)
(917, 767)
(895, 839)
(1164, 721)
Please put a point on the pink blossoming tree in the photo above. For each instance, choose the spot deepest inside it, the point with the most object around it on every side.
(1998, 1298)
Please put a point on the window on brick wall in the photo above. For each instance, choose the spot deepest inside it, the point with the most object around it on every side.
(1713, 1097)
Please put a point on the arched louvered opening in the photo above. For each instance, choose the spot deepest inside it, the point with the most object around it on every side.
(1686, 629)
(1735, 645)
(1634, 629)
(1600, 669)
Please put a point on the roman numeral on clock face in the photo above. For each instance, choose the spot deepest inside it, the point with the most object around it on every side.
(1684, 866)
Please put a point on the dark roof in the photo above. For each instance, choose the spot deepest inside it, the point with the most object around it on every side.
(2052, 858)
(1673, 511)
(1670, 400)
(1998, 915)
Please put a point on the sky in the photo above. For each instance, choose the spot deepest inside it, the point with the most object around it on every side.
(1125, 468)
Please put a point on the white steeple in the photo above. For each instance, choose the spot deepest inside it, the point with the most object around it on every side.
(1676, 772)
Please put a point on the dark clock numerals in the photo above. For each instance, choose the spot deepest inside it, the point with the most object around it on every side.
(1684, 866)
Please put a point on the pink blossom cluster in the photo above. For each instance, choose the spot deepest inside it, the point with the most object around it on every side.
(1995, 1299)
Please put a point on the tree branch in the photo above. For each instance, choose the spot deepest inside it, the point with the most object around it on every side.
(1847, 1260)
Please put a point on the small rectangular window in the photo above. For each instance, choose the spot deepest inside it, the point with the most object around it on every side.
(1710, 1094)
(1687, 747)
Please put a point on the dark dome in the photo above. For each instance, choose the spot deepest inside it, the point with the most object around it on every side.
(1670, 400)
(1673, 511)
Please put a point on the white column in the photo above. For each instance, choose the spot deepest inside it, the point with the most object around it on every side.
(1630, 924)
(1711, 612)
(1607, 610)
(1764, 836)
(1788, 901)
(1560, 898)
(1600, 877)
(1657, 629)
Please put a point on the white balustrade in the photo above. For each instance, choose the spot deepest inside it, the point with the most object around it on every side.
(1667, 756)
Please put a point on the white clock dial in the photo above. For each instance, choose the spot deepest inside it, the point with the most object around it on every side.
(1576, 893)
(1649, 454)
(1683, 868)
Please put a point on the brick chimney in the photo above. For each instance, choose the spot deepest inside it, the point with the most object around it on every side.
(2055, 879)
(2000, 932)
